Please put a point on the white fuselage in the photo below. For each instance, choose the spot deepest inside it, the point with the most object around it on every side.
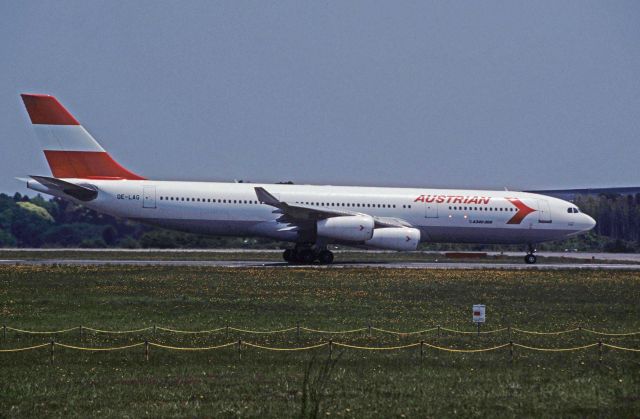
(441, 215)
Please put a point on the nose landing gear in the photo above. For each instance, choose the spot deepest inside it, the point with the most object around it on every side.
(306, 254)
(531, 258)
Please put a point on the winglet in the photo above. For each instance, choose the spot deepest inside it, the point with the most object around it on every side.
(266, 198)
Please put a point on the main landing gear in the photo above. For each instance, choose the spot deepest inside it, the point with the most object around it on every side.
(307, 255)
(531, 258)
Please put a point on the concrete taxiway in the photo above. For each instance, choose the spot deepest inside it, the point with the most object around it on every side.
(339, 265)
(568, 259)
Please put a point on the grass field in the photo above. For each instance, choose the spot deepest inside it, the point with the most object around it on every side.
(253, 382)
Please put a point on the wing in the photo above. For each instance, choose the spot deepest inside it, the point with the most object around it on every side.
(297, 213)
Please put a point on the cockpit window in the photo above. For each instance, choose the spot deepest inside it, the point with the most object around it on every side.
(573, 210)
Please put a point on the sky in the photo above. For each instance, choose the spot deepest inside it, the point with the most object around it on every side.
(489, 94)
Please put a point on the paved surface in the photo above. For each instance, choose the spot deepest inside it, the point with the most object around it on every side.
(629, 257)
(279, 265)
(579, 260)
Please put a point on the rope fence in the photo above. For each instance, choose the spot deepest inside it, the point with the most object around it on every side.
(298, 328)
(330, 344)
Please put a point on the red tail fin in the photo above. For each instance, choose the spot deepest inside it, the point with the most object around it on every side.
(70, 150)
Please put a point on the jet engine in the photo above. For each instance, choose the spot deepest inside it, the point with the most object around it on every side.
(357, 228)
(395, 238)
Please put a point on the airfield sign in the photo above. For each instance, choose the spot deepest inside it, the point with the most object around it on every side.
(478, 313)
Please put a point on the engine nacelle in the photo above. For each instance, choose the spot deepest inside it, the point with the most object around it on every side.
(356, 228)
(395, 238)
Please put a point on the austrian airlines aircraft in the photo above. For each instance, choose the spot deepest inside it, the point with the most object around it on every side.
(311, 217)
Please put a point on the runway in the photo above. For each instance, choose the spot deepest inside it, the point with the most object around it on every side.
(339, 265)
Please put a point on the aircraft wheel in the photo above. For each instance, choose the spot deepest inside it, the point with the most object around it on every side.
(305, 256)
(325, 257)
(288, 255)
(530, 259)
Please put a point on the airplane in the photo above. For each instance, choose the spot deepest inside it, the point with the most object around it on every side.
(309, 216)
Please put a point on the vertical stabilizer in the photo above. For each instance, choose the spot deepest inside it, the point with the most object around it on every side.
(69, 149)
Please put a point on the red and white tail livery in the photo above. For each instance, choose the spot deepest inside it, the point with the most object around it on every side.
(70, 150)
(311, 217)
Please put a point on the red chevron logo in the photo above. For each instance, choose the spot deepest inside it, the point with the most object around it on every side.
(522, 212)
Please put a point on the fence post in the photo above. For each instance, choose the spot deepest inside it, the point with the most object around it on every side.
(511, 351)
(438, 331)
(154, 331)
(298, 331)
(239, 348)
(53, 343)
(369, 329)
(227, 331)
(330, 348)
(146, 350)
(81, 332)
(600, 352)
(4, 332)
(421, 350)
(509, 329)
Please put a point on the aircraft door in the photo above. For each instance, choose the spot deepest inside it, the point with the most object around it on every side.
(544, 211)
(149, 196)
(430, 210)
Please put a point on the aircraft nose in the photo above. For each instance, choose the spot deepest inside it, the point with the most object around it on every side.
(588, 222)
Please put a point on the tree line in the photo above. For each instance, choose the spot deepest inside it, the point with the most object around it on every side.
(38, 222)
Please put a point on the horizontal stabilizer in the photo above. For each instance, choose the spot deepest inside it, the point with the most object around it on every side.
(83, 193)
